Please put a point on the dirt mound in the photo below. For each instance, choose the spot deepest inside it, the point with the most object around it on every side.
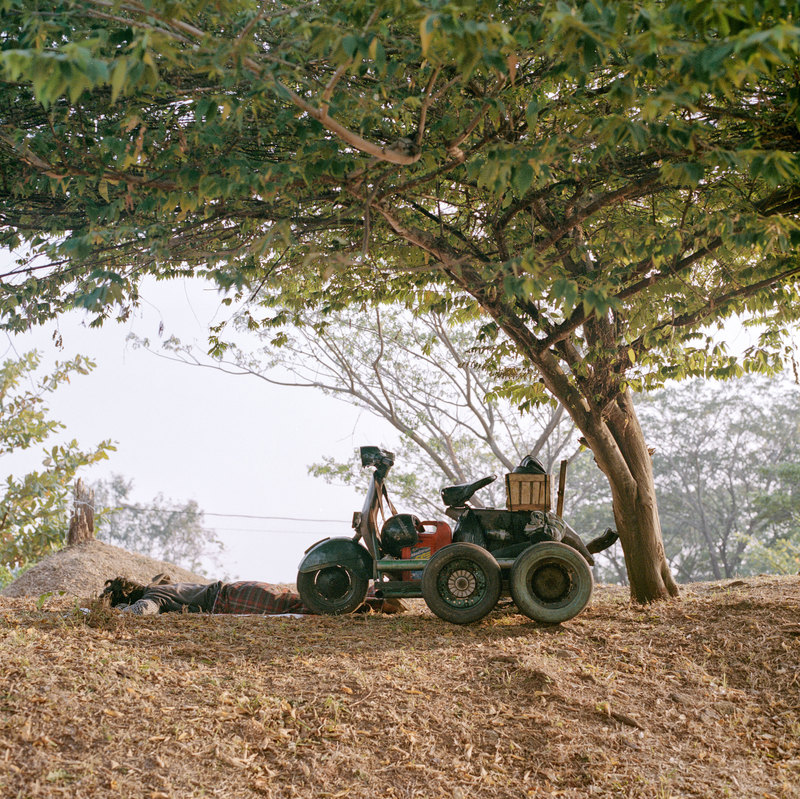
(81, 571)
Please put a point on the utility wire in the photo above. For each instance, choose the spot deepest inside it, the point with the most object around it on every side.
(277, 532)
(235, 515)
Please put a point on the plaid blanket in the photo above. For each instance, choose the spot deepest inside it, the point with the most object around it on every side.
(253, 597)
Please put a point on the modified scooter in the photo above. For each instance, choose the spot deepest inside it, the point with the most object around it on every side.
(461, 573)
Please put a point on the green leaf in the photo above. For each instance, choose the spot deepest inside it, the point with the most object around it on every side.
(532, 113)
(118, 77)
(566, 290)
(350, 45)
(426, 28)
(523, 178)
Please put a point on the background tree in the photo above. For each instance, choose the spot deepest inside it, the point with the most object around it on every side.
(780, 550)
(34, 508)
(422, 374)
(161, 529)
(602, 179)
(727, 471)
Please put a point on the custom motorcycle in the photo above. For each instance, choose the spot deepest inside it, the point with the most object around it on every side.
(524, 550)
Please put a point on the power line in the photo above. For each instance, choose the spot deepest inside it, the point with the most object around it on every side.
(276, 518)
(236, 515)
(277, 532)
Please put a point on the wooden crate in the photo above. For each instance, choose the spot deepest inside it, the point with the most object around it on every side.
(528, 492)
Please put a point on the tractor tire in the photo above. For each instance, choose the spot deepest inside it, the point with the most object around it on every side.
(461, 583)
(333, 590)
(551, 582)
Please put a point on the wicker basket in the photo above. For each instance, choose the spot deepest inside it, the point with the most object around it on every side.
(528, 492)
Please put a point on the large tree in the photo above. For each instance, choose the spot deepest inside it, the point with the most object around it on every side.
(600, 178)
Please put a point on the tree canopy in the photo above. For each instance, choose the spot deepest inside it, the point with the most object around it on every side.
(637, 159)
(601, 179)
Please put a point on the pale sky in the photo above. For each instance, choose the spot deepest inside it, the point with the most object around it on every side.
(235, 444)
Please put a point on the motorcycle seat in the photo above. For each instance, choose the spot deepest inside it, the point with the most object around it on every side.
(458, 495)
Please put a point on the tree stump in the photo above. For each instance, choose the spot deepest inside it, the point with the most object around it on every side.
(81, 525)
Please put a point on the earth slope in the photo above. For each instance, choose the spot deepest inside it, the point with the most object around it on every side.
(81, 571)
(697, 697)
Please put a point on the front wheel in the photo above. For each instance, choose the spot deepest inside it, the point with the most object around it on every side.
(332, 591)
(461, 583)
(551, 582)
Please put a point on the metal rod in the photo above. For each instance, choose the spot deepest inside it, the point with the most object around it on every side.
(401, 565)
(562, 479)
(419, 565)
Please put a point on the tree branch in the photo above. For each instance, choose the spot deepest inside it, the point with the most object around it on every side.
(713, 305)
(395, 153)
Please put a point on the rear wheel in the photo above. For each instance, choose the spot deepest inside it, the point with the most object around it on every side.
(333, 590)
(551, 582)
(461, 583)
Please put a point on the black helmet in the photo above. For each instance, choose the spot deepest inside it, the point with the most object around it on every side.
(400, 531)
(530, 465)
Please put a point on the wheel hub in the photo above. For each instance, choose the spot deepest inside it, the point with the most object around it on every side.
(333, 582)
(551, 582)
(462, 583)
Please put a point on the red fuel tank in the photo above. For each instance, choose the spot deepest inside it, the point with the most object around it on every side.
(429, 542)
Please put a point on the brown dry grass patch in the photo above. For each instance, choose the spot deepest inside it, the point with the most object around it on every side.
(691, 698)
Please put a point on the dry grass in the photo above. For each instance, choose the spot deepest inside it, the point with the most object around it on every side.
(696, 698)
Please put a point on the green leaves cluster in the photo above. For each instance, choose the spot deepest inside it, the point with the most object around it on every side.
(610, 177)
(34, 507)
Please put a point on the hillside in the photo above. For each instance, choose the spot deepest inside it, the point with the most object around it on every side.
(691, 698)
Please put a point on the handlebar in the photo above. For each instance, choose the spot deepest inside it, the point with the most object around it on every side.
(375, 456)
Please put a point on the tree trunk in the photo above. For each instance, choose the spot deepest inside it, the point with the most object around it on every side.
(639, 530)
(620, 450)
(629, 470)
(81, 525)
(613, 432)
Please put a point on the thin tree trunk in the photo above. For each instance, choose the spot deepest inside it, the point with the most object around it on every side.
(81, 525)
(712, 555)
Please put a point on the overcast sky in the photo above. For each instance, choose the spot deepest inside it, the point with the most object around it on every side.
(235, 444)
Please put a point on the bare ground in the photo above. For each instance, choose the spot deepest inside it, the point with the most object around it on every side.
(690, 698)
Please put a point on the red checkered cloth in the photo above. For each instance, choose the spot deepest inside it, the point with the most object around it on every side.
(250, 597)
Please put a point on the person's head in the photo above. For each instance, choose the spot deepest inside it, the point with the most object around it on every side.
(121, 591)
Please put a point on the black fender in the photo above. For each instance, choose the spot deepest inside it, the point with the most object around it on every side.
(338, 552)
(574, 540)
(469, 530)
(604, 541)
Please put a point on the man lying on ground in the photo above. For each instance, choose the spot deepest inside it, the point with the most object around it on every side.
(164, 596)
